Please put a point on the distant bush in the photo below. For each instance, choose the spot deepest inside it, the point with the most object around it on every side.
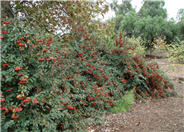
(176, 52)
(160, 43)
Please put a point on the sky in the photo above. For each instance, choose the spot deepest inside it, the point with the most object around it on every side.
(172, 7)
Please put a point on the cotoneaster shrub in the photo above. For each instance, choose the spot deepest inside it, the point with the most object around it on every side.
(46, 88)
(95, 76)
(145, 79)
(28, 88)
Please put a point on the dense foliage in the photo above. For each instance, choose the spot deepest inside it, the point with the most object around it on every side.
(138, 43)
(46, 88)
(52, 16)
(26, 79)
(149, 22)
(176, 52)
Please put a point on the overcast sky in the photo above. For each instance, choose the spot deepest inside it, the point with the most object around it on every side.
(172, 7)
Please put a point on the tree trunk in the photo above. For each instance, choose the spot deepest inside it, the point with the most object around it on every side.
(6, 10)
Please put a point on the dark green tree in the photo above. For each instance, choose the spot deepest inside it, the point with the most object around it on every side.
(180, 14)
(152, 9)
(180, 24)
(126, 23)
(122, 9)
(149, 23)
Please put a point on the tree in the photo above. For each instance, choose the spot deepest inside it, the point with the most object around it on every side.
(127, 23)
(58, 15)
(152, 9)
(122, 9)
(125, 7)
(180, 24)
(180, 14)
(149, 23)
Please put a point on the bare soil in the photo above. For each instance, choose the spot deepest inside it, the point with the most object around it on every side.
(158, 115)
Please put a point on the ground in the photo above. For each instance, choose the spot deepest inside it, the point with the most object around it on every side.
(158, 115)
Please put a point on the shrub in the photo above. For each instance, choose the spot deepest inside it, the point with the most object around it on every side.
(160, 42)
(27, 79)
(176, 52)
(149, 79)
(45, 88)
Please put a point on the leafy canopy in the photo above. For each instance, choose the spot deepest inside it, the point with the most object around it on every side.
(58, 15)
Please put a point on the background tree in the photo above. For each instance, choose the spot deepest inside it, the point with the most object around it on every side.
(125, 7)
(58, 15)
(149, 23)
(180, 24)
(121, 10)
(180, 14)
(127, 23)
(152, 9)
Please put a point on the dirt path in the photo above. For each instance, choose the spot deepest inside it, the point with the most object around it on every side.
(161, 115)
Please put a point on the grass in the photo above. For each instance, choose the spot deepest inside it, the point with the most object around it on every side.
(124, 104)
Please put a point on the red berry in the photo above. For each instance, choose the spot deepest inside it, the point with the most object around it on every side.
(21, 38)
(49, 59)
(64, 103)
(2, 100)
(54, 59)
(5, 65)
(20, 98)
(41, 59)
(32, 45)
(57, 91)
(19, 74)
(49, 42)
(5, 22)
(15, 116)
(21, 45)
(26, 100)
(8, 90)
(2, 37)
(50, 39)
(39, 40)
(35, 101)
(6, 111)
(19, 109)
(45, 50)
(70, 107)
(3, 108)
(3, 32)
(123, 80)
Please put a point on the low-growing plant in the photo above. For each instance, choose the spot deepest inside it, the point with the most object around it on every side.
(124, 103)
